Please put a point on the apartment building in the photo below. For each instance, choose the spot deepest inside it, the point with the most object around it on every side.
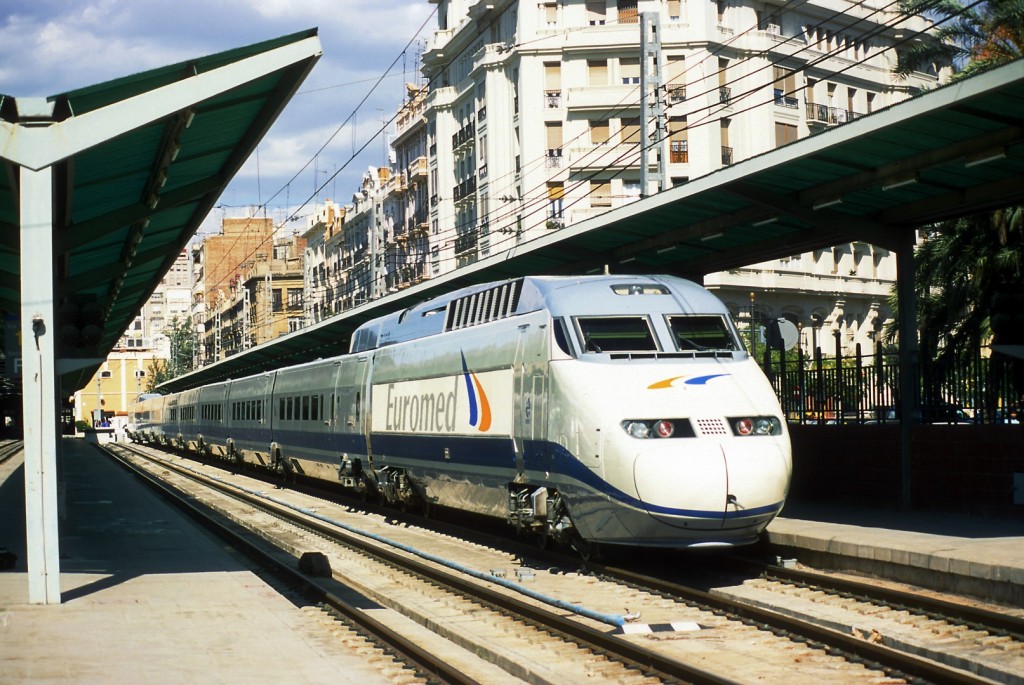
(534, 119)
(127, 370)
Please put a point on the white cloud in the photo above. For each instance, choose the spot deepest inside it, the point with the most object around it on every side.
(52, 46)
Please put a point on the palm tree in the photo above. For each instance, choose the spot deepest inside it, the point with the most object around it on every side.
(964, 263)
(970, 36)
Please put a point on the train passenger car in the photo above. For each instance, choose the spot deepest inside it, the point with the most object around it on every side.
(606, 409)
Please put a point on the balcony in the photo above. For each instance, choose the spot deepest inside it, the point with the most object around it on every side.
(417, 168)
(553, 99)
(829, 116)
(465, 242)
(464, 190)
(676, 94)
(553, 159)
(466, 134)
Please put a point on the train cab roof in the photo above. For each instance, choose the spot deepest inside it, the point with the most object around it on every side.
(561, 295)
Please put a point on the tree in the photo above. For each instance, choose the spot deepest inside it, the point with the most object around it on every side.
(181, 334)
(971, 37)
(966, 267)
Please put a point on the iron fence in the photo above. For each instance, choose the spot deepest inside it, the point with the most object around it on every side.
(866, 388)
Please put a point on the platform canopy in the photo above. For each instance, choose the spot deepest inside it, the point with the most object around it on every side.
(947, 153)
(137, 163)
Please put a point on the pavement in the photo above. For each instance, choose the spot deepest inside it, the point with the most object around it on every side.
(149, 596)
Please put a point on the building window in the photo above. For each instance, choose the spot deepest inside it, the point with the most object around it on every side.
(556, 192)
(599, 131)
(784, 86)
(596, 12)
(627, 11)
(550, 10)
(677, 140)
(600, 193)
(675, 78)
(674, 10)
(278, 304)
(597, 72)
(630, 134)
(784, 134)
(554, 137)
(629, 70)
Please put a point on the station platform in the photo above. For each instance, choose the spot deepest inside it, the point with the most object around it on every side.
(149, 596)
(972, 556)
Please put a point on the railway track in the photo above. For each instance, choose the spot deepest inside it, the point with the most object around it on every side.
(8, 448)
(605, 623)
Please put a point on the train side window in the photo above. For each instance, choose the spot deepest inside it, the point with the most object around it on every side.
(701, 332)
(314, 410)
(288, 416)
(305, 408)
(561, 336)
(280, 410)
(616, 334)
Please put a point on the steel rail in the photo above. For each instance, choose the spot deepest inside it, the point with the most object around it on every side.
(934, 607)
(424, 661)
(601, 642)
(895, 661)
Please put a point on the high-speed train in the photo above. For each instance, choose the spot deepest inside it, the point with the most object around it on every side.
(617, 410)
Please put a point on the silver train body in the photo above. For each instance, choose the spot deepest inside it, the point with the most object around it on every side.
(608, 409)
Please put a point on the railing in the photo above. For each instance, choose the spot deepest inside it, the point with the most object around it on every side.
(553, 159)
(866, 389)
(678, 151)
(464, 135)
(832, 116)
(726, 155)
(676, 93)
(465, 242)
(724, 95)
(553, 98)
(464, 189)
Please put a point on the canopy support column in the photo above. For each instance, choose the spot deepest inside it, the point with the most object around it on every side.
(39, 385)
(909, 354)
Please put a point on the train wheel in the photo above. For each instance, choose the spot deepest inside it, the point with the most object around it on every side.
(588, 551)
(544, 535)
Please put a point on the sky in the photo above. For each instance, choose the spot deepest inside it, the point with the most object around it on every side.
(48, 47)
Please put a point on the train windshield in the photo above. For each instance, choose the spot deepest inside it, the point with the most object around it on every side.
(701, 333)
(616, 334)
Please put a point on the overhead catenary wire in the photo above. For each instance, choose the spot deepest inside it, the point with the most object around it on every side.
(709, 118)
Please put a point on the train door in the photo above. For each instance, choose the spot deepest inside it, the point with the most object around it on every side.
(530, 388)
(350, 404)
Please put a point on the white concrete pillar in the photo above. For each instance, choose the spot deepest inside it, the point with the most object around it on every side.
(39, 385)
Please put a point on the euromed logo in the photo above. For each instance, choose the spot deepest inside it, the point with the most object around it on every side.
(479, 407)
(695, 380)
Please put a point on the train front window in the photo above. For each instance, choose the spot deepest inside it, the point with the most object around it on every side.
(701, 332)
(616, 334)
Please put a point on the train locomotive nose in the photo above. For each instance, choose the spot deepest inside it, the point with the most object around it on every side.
(683, 489)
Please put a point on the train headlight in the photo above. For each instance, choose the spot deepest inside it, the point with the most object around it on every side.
(756, 425)
(658, 428)
(638, 429)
